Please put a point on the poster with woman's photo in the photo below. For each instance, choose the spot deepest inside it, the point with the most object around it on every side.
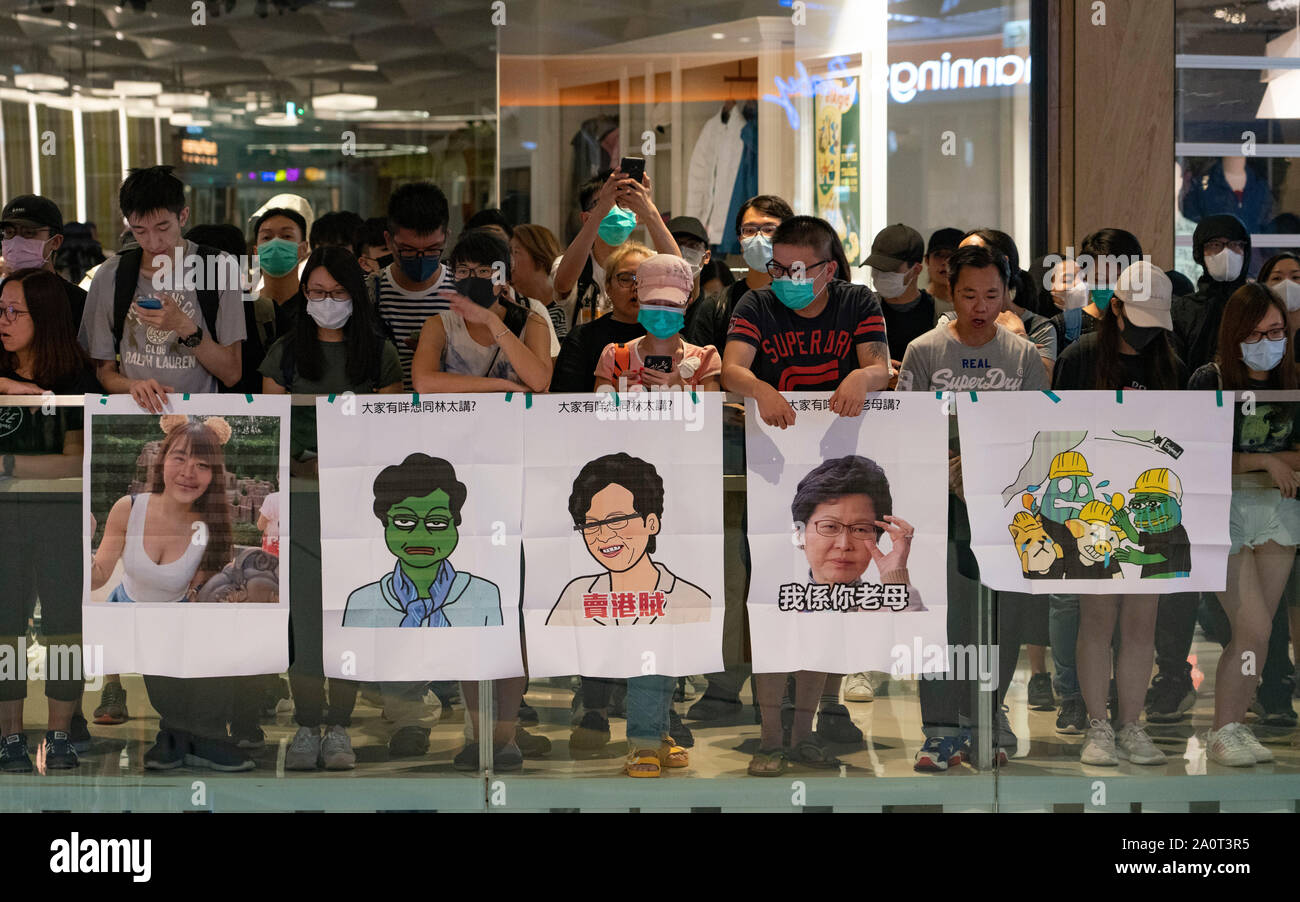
(1098, 492)
(848, 524)
(420, 501)
(623, 534)
(185, 535)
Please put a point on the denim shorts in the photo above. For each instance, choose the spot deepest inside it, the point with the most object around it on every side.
(1261, 515)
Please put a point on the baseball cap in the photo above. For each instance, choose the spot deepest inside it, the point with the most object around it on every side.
(298, 204)
(664, 279)
(34, 209)
(944, 240)
(689, 226)
(894, 246)
(1147, 295)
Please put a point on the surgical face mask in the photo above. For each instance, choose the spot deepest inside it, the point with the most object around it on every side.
(661, 322)
(330, 313)
(888, 284)
(1263, 355)
(1225, 266)
(1140, 337)
(480, 291)
(695, 257)
(23, 253)
(420, 269)
(757, 251)
(1101, 297)
(277, 257)
(616, 226)
(1287, 291)
(795, 295)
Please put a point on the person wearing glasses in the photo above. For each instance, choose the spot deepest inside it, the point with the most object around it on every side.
(32, 231)
(575, 369)
(1221, 246)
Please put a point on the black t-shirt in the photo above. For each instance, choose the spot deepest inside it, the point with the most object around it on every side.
(76, 301)
(1174, 545)
(708, 324)
(796, 353)
(575, 368)
(28, 430)
(907, 322)
(1076, 369)
(1086, 327)
(260, 337)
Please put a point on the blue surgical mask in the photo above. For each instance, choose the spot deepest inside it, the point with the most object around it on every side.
(1264, 355)
(757, 251)
(419, 269)
(795, 295)
(1101, 297)
(661, 322)
(616, 226)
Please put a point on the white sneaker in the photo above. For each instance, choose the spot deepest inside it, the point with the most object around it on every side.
(304, 751)
(1133, 744)
(1229, 747)
(858, 688)
(336, 749)
(1261, 752)
(1099, 745)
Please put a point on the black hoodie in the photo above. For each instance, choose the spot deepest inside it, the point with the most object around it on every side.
(1197, 316)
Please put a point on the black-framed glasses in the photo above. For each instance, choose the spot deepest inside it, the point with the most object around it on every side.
(315, 295)
(833, 529)
(1216, 245)
(749, 230)
(11, 313)
(408, 522)
(780, 270)
(1272, 335)
(616, 524)
(407, 254)
(479, 272)
(13, 231)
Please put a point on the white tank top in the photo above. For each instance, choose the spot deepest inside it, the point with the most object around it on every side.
(142, 579)
(462, 354)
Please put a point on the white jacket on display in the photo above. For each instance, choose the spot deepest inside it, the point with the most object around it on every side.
(712, 175)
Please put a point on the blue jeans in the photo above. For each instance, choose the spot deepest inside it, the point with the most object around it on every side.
(649, 699)
(1063, 628)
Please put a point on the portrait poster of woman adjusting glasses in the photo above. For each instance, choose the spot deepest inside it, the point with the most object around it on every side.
(847, 534)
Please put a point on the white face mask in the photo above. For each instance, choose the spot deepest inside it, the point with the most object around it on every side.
(1288, 292)
(1224, 266)
(329, 313)
(888, 284)
(695, 257)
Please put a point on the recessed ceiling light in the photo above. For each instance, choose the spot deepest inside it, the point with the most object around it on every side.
(717, 36)
(343, 102)
(131, 88)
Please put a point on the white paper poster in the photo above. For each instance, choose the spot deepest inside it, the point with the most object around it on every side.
(1094, 493)
(623, 534)
(839, 508)
(186, 575)
(420, 502)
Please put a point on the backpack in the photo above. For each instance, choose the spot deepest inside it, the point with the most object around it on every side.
(622, 360)
(127, 278)
(588, 292)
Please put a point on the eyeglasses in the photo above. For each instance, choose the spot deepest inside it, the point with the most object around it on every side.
(749, 230)
(407, 254)
(626, 279)
(832, 529)
(314, 295)
(1272, 335)
(481, 272)
(407, 523)
(780, 271)
(615, 524)
(11, 313)
(12, 231)
(1216, 245)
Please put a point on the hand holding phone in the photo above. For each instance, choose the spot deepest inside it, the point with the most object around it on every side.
(661, 362)
(149, 303)
(633, 168)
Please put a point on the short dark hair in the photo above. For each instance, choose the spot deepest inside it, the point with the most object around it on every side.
(418, 206)
(222, 236)
(808, 231)
(977, 256)
(634, 474)
(292, 215)
(1113, 243)
(588, 190)
(149, 189)
(369, 234)
(768, 205)
(838, 477)
(490, 217)
(1000, 241)
(415, 477)
(338, 228)
(1271, 263)
(481, 247)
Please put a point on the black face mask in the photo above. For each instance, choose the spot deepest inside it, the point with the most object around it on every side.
(385, 261)
(480, 291)
(1139, 338)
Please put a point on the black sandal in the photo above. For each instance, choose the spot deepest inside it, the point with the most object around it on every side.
(812, 752)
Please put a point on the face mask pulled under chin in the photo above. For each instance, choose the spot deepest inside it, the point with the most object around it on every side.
(1225, 266)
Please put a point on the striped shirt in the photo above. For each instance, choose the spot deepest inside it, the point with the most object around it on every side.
(404, 311)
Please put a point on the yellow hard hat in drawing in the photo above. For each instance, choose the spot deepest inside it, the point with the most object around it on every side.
(1162, 481)
(1097, 512)
(1068, 463)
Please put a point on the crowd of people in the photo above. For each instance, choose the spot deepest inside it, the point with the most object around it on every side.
(338, 303)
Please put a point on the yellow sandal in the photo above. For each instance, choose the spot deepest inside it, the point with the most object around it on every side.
(671, 755)
(642, 763)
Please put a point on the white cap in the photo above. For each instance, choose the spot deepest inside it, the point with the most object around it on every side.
(293, 202)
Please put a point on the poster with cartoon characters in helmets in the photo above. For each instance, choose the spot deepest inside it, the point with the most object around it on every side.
(1098, 493)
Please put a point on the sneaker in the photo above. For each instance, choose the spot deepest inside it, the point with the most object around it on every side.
(248, 737)
(1260, 751)
(858, 688)
(79, 734)
(835, 725)
(531, 745)
(711, 707)
(409, 742)
(507, 758)
(1133, 744)
(167, 753)
(59, 753)
(1073, 717)
(1099, 746)
(1228, 746)
(304, 751)
(1170, 697)
(14, 756)
(467, 758)
(336, 749)
(112, 705)
(527, 714)
(218, 754)
(1005, 737)
(1040, 692)
(591, 733)
(938, 754)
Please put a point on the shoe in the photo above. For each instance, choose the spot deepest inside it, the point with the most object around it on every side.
(507, 758)
(248, 737)
(1099, 746)
(527, 714)
(1260, 751)
(938, 754)
(304, 751)
(167, 753)
(1133, 744)
(858, 688)
(79, 734)
(14, 756)
(409, 742)
(682, 735)
(59, 753)
(336, 749)
(1004, 737)
(1229, 747)
(1170, 697)
(711, 707)
(591, 733)
(1274, 714)
(218, 754)
(1040, 692)
(467, 758)
(835, 725)
(1073, 717)
(531, 745)
(112, 705)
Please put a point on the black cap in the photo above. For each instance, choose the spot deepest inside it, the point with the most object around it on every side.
(896, 245)
(944, 240)
(689, 226)
(33, 208)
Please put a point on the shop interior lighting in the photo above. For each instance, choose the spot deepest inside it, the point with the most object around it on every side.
(344, 102)
(127, 88)
(183, 101)
(39, 81)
